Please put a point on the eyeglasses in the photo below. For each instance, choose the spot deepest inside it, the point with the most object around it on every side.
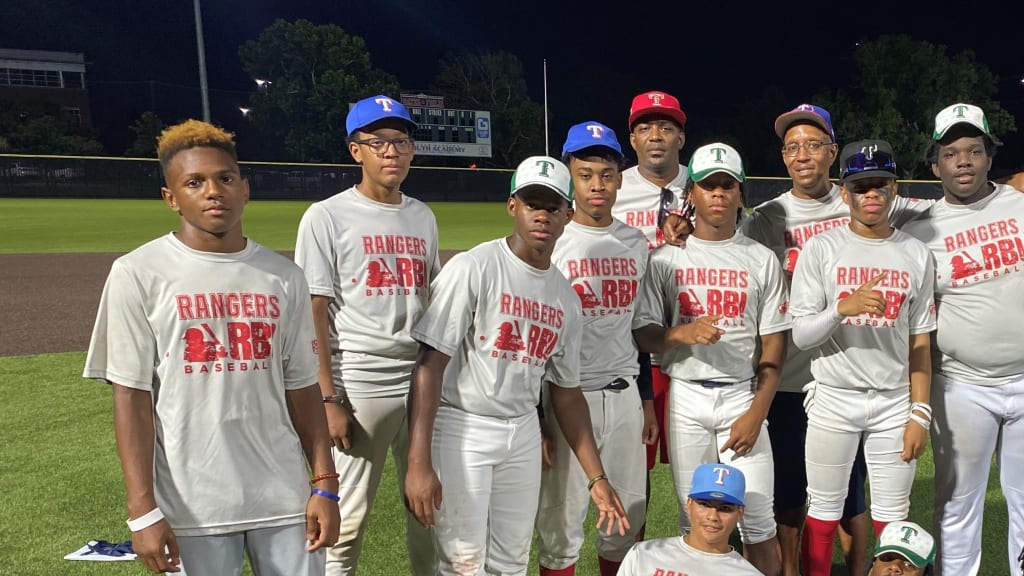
(379, 145)
(861, 162)
(813, 147)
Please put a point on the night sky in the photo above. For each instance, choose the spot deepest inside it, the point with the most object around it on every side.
(712, 55)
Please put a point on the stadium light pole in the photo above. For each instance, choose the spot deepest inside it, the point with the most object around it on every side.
(546, 107)
(203, 89)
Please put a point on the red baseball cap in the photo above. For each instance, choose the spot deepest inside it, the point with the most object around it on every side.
(656, 103)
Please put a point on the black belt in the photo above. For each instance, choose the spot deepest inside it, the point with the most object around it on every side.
(717, 383)
(617, 384)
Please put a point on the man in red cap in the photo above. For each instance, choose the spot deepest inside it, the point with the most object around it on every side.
(650, 200)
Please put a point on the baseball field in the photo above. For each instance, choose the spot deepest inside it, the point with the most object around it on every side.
(60, 481)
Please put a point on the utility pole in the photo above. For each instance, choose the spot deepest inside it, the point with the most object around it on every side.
(203, 88)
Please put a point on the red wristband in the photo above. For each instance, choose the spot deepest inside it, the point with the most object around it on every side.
(328, 476)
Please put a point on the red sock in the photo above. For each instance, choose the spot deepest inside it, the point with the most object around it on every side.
(608, 568)
(569, 570)
(816, 546)
(879, 526)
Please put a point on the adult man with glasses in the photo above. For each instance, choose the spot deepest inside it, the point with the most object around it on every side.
(976, 234)
(812, 206)
(369, 254)
(862, 298)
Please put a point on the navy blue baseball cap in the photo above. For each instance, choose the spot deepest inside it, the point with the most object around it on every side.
(379, 107)
(719, 482)
(587, 134)
(805, 113)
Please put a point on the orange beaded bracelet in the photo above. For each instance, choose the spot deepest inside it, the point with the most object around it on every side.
(328, 476)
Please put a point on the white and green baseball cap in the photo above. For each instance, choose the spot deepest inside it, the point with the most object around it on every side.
(713, 158)
(960, 113)
(908, 540)
(543, 171)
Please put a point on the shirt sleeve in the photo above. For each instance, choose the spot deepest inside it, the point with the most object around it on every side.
(314, 251)
(563, 368)
(123, 346)
(809, 300)
(434, 256)
(775, 312)
(298, 339)
(922, 305)
(905, 209)
(651, 306)
(453, 297)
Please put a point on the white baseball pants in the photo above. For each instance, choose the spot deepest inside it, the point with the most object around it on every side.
(617, 418)
(279, 551)
(699, 420)
(971, 423)
(838, 420)
(380, 423)
(489, 470)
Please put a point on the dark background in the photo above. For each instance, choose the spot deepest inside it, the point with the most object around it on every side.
(714, 56)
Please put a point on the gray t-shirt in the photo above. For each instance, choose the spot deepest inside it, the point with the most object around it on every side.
(507, 327)
(979, 260)
(865, 352)
(217, 339)
(785, 224)
(673, 556)
(604, 266)
(737, 278)
(638, 203)
(375, 261)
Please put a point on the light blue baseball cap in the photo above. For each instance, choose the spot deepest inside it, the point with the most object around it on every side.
(379, 107)
(587, 134)
(719, 482)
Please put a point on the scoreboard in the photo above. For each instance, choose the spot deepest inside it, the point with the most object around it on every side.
(447, 131)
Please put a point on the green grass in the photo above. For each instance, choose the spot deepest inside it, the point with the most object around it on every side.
(55, 226)
(60, 482)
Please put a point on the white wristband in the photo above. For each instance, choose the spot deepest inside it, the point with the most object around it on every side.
(926, 424)
(146, 520)
(922, 407)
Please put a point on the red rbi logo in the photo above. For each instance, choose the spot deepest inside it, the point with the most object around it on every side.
(245, 341)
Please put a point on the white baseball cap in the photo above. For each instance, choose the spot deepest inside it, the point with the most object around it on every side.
(713, 158)
(960, 113)
(908, 540)
(543, 171)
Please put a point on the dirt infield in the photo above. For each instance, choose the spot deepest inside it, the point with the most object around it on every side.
(49, 300)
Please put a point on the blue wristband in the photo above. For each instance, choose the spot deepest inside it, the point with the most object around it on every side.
(326, 494)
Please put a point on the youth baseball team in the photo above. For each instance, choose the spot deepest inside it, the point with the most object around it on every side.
(775, 361)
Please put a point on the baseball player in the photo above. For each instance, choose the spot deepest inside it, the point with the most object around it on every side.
(976, 234)
(369, 254)
(604, 260)
(502, 321)
(715, 502)
(784, 224)
(862, 298)
(905, 549)
(206, 338)
(706, 308)
(650, 200)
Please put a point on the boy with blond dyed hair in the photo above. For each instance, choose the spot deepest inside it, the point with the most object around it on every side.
(207, 340)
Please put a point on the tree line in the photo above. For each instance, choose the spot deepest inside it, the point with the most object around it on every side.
(895, 86)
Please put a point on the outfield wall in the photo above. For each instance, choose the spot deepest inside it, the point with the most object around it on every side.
(92, 177)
